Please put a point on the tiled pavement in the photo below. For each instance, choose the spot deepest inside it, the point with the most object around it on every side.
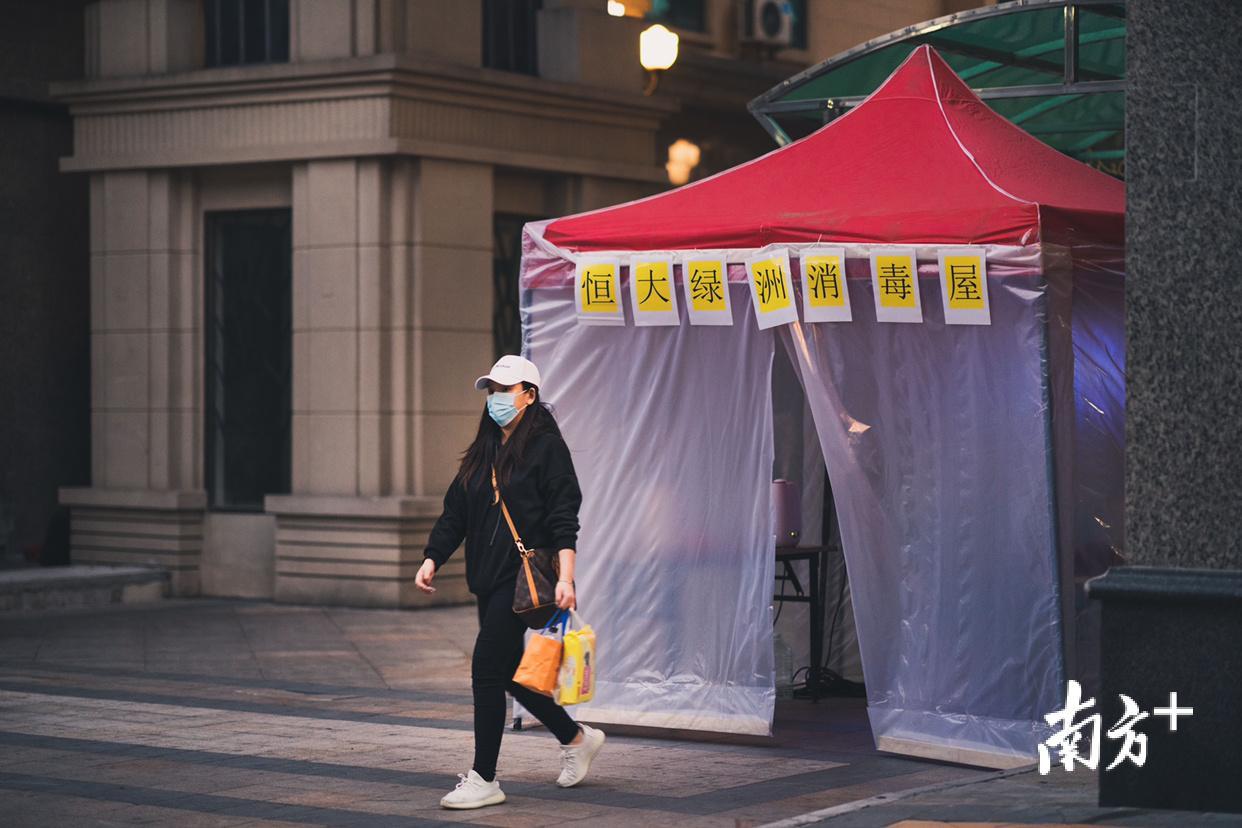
(238, 713)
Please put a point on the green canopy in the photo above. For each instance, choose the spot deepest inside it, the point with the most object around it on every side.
(1013, 55)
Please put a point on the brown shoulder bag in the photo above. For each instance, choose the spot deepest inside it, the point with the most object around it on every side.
(534, 595)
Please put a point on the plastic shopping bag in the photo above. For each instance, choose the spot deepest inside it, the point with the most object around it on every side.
(577, 674)
(542, 660)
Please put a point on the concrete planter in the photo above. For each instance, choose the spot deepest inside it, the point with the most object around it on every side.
(1163, 631)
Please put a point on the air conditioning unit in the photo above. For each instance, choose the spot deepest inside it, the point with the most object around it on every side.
(771, 22)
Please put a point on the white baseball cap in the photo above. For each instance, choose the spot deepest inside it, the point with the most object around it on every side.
(509, 370)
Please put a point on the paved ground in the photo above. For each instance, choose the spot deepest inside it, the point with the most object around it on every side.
(235, 713)
(230, 713)
(1015, 798)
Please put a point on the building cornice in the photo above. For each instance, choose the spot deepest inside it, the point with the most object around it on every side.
(345, 74)
(374, 105)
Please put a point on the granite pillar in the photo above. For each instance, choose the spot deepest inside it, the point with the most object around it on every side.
(1172, 619)
(146, 500)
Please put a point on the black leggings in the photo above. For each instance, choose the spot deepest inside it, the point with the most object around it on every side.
(497, 652)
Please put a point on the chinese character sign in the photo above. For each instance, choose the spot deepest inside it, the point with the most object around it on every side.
(771, 289)
(653, 277)
(598, 291)
(825, 296)
(1078, 742)
(705, 284)
(964, 286)
(1068, 740)
(651, 290)
(894, 280)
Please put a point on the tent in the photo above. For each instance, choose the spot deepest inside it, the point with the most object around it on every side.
(974, 456)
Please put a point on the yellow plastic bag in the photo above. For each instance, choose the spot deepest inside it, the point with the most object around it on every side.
(576, 683)
(541, 662)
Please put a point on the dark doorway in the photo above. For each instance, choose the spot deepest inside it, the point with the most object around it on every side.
(248, 357)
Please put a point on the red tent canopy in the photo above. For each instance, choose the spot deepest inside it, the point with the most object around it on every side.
(922, 160)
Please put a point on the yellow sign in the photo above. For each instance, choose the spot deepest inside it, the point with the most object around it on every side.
(825, 290)
(653, 287)
(895, 285)
(707, 285)
(895, 277)
(771, 285)
(771, 288)
(963, 282)
(823, 282)
(964, 286)
(597, 289)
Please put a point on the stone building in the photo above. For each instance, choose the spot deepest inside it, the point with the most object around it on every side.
(303, 245)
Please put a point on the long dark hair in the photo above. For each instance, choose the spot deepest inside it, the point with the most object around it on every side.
(487, 448)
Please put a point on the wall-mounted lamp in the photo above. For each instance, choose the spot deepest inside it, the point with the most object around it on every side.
(683, 157)
(657, 51)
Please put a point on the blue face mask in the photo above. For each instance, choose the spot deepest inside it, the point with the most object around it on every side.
(501, 407)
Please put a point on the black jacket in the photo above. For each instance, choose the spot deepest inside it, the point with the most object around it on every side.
(543, 498)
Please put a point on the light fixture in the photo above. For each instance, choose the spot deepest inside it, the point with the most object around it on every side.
(657, 51)
(616, 9)
(683, 157)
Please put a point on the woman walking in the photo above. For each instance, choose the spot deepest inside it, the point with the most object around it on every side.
(519, 438)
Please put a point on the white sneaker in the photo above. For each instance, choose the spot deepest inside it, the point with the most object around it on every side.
(576, 759)
(473, 791)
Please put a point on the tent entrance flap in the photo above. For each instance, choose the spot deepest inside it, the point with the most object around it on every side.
(671, 434)
(937, 442)
(838, 669)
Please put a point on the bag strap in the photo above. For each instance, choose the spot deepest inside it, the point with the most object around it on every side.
(508, 518)
(561, 618)
(523, 552)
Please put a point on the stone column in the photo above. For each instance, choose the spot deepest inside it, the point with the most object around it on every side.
(392, 320)
(1172, 622)
(325, 29)
(146, 500)
(142, 37)
(451, 314)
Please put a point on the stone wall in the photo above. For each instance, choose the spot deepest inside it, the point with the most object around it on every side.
(1183, 286)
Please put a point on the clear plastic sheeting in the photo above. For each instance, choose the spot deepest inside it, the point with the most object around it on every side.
(671, 434)
(976, 472)
(938, 441)
(1099, 411)
(1097, 511)
(799, 459)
